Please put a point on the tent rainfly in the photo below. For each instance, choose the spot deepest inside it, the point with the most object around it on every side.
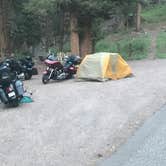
(103, 66)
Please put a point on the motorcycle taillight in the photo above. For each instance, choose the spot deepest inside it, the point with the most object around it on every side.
(72, 68)
(45, 72)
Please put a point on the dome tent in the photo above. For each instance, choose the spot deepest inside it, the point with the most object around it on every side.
(103, 66)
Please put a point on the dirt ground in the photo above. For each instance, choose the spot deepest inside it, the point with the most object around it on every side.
(74, 123)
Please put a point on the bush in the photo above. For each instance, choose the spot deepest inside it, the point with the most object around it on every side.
(22, 54)
(129, 47)
(154, 14)
(161, 45)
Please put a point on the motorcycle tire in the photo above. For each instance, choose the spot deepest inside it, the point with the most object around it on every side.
(45, 79)
(28, 76)
(69, 76)
(14, 103)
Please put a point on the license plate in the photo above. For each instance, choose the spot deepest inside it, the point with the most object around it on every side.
(11, 94)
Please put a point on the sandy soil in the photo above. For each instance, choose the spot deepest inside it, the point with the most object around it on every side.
(73, 123)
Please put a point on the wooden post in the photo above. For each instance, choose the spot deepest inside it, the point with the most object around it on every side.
(138, 17)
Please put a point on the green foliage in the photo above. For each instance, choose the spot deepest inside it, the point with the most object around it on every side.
(66, 47)
(85, 10)
(19, 54)
(43, 19)
(25, 28)
(130, 47)
(161, 45)
(154, 14)
(39, 7)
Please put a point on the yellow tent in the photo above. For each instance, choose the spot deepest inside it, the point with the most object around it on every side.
(101, 66)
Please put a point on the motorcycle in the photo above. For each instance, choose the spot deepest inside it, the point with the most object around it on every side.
(23, 67)
(28, 67)
(57, 71)
(11, 88)
(16, 67)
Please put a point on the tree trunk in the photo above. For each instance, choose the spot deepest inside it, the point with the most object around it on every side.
(86, 43)
(48, 33)
(138, 17)
(61, 35)
(5, 44)
(158, 1)
(3, 28)
(74, 36)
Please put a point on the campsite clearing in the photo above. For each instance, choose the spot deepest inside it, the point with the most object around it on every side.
(74, 123)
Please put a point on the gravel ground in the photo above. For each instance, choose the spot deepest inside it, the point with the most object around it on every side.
(74, 123)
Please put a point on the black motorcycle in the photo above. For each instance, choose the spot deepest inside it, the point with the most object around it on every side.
(16, 67)
(27, 67)
(57, 71)
(11, 88)
(23, 67)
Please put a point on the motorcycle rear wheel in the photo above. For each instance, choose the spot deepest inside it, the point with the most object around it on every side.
(45, 79)
(14, 103)
(69, 76)
(28, 76)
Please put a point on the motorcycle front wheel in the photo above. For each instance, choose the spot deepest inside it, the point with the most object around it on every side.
(45, 79)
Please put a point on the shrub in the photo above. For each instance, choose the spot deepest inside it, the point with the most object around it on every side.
(161, 45)
(129, 47)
